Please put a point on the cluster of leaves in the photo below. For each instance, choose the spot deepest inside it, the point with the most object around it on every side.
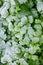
(21, 32)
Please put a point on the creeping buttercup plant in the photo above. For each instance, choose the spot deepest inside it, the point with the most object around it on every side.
(21, 32)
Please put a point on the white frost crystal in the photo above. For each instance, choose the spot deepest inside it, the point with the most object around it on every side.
(6, 5)
(2, 35)
(23, 62)
(35, 39)
(32, 50)
(10, 26)
(12, 2)
(4, 13)
(2, 45)
(23, 30)
(6, 58)
(40, 6)
(22, 1)
(23, 21)
(30, 19)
